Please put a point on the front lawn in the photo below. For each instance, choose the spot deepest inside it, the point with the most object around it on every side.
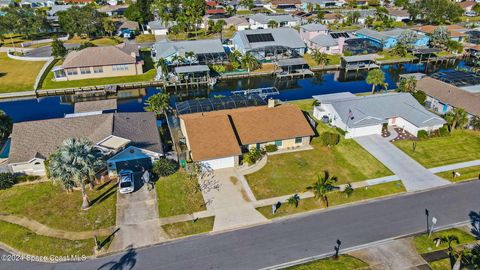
(343, 262)
(173, 198)
(460, 146)
(103, 41)
(16, 75)
(335, 198)
(467, 173)
(144, 38)
(332, 60)
(443, 264)
(186, 228)
(424, 244)
(50, 205)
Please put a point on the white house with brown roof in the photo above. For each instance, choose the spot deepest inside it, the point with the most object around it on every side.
(218, 138)
(100, 62)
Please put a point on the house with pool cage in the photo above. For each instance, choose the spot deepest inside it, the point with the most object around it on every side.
(187, 52)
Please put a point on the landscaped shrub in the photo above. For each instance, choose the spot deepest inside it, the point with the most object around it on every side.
(252, 156)
(271, 148)
(7, 180)
(420, 96)
(422, 134)
(219, 68)
(330, 138)
(443, 131)
(164, 167)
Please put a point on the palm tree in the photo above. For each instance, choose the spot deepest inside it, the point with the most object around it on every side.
(375, 77)
(162, 64)
(294, 200)
(449, 239)
(190, 56)
(272, 24)
(319, 57)
(457, 117)
(6, 125)
(157, 103)
(323, 186)
(408, 84)
(177, 59)
(74, 165)
(219, 27)
(250, 62)
(470, 258)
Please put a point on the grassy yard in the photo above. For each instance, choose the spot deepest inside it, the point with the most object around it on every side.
(460, 146)
(173, 199)
(389, 56)
(148, 75)
(266, 67)
(186, 228)
(292, 172)
(143, 38)
(467, 173)
(343, 262)
(103, 41)
(335, 198)
(424, 244)
(227, 33)
(332, 60)
(443, 264)
(16, 75)
(50, 205)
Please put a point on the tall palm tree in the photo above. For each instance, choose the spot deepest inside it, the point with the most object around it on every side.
(375, 77)
(190, 56)
(408, 84)
(319, 57)
(456, 118)
(162, 64)
(250, 62)
(272, 24)
(6, 125)
(74, 165)
(157, 103)
(177, 59)
(449, 240)
(323, 185)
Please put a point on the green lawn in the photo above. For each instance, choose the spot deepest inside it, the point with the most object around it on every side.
(186, 228)
(424, 244)
(143, 38)
(50, 205)
(16, 75)
(389, 56)
(332, 60)
(460, 146)
(292, 172)
(335, 198)
(29, 242)
(467, 173)
(148, 75)
(343, 262)
(443, 264)
(103, 41)
(173, 199)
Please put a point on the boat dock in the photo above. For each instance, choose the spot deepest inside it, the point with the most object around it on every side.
(262, 92)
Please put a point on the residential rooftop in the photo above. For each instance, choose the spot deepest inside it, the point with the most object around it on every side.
(166, 48)
(102, 56)
(265, 18)
(286, 36)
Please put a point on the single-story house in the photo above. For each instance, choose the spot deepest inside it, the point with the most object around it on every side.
(286, 4)
(261, 20)
(213, 7)
(100, 62)
(366, 115)
(306, 4)
(113, 10)
(218, 138)
(317, 36)
(267, 44)
(236, 22)
(467, 6)
(389, 39)
(398, 15)
(442, 97)
(206, 50)
(127, 24)
(131, 140)
(159, 28)
(457, 32)
(37, 3)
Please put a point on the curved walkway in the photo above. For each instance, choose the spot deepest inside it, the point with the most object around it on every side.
(41, 229)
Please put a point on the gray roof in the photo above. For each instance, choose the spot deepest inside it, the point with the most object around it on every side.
(166, 48)
(191, 69)
(265, 18)
(382, 36)
(324, 41)
(319, 2)
(291, 62)
(95, 105)
(356, 58)
(41, 138)
(377, 109)
(287, 37)
(332, 97)
(315, 27)
(57, 8)
(158, 24)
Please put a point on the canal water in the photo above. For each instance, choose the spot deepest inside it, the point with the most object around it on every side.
(290, 89)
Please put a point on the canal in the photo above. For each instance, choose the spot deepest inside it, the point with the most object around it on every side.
(290, 89)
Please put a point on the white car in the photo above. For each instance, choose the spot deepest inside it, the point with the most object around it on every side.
(126, 183)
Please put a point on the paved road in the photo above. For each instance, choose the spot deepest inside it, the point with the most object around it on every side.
(46, 51)
(413, 175)
(296, 238)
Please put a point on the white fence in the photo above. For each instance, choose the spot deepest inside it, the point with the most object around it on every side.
(27, 58)
(30, 43)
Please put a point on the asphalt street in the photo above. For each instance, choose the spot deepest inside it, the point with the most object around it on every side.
(296, 238)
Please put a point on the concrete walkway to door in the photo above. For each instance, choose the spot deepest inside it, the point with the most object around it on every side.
(230, 202)
(413, 175)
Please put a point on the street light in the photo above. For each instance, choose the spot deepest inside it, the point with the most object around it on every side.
(428, 225)
(434, 221)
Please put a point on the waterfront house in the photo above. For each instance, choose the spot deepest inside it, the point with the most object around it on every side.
(261, 20)
(218, 138)
(206, 51)
(367, 115)
(270, 44)
(317, 36)
(388, 39)
(456, 32)
(130, 140)
(100, 62)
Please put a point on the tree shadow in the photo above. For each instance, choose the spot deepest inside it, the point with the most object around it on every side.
(127, 261)
(105, 195)
(475, 223)
(2, 74)
(108, 239)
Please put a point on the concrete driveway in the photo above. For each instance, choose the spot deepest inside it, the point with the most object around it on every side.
(413, 175)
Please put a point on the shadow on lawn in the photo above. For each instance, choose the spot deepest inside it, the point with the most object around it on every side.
(105, 195)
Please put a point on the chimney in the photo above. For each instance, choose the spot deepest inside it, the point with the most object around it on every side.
(271, 103)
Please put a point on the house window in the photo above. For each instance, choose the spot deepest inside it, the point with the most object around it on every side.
(72, 71)
(119, 67)
(298, 140)
(85, 70)
(98, 70)
(278, 142)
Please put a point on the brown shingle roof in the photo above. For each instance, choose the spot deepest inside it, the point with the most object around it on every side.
(450, 94)
(95, 105)
(453, 29)
(98, 56)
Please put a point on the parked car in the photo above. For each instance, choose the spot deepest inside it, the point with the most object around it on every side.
(471, 13)
(126, 183)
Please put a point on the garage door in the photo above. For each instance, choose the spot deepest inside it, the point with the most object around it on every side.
(136, 165)
(220, 163)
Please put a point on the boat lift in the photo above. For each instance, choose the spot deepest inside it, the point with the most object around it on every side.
(262, 92)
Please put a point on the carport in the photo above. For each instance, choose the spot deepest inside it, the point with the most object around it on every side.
(131, 158)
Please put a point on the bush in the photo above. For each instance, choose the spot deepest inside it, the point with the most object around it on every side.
(422, 134)
(7, 180)
(443, 131)
(164, 167)
(330, 138)
(219, 68)
(252, 156)
(271, 148)
(420, 96)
